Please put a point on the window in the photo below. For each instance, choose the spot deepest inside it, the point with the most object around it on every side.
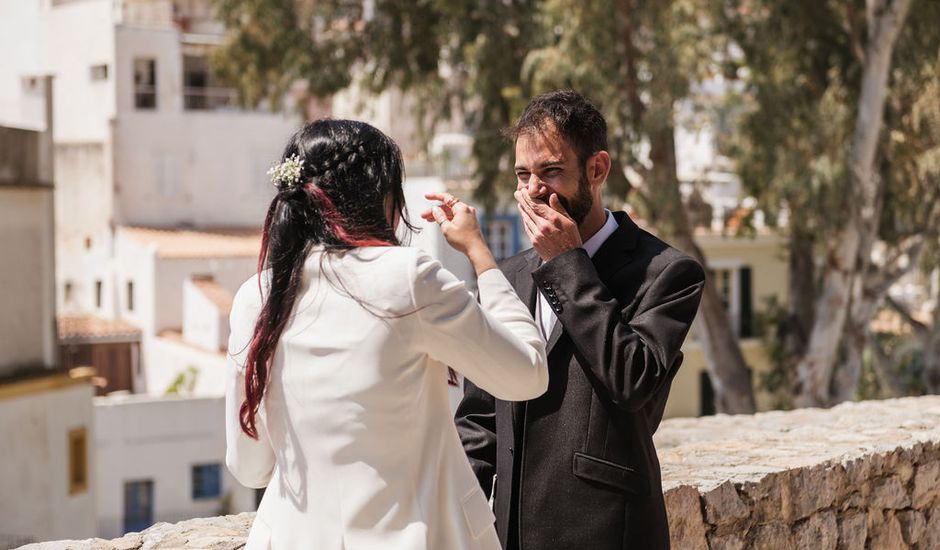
(734, 287)
(145, 84)
(138, 505)
(130, 295)
(502, 234)
(78, 461)
(98, 293)
(201, 91)
(98, 73)
(207, 481)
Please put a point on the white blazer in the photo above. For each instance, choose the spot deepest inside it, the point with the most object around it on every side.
(357, 445)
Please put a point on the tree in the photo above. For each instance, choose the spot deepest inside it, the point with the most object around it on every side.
(638, 60)
(832, 135)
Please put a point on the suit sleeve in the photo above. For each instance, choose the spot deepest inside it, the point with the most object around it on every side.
(250, 461)
(632, 358)
(476, 425)
(496, 344)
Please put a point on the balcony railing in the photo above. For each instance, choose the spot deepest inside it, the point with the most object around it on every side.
(209, 99)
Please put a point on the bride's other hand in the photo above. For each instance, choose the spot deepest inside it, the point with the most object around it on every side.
(459, 225)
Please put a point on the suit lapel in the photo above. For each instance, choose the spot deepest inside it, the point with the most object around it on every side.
(522, 281)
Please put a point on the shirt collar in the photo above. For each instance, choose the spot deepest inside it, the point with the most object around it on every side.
(592, 245)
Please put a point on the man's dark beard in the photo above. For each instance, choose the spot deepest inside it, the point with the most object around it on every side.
(579, 205)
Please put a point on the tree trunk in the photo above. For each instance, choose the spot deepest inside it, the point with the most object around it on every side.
(931, 375)
(814, 370)
(730, 376)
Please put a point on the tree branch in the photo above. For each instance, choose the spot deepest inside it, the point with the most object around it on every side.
(855, 38)
(637, 109)
(920, 328)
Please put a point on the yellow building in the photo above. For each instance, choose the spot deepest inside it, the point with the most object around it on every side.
(747, 271)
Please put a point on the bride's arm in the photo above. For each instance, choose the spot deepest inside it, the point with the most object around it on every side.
(251, 461)
(495, 344)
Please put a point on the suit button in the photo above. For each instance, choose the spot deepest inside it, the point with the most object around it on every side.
(510, 450)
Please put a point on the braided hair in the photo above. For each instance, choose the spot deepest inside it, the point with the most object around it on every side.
(348, 195)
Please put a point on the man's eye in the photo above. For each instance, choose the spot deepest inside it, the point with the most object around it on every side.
(522, 175)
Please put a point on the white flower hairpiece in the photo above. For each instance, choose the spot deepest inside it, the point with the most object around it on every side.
(287, 173)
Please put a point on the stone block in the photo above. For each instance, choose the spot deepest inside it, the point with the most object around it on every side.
(853, 500)
(885, 531)
(686, 524)
(820, 532)
(765, 497)
(889, 493)
(904, 467)
(773, 536)
(913, 525)
(811, 489)
(858, 471)
(926, 485)
(931, 537)
(733, 541)
(724, 507)
(853, 531)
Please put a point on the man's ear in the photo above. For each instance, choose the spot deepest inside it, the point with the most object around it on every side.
(598, 168)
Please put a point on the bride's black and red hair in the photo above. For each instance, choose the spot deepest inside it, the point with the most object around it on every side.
(349, 190)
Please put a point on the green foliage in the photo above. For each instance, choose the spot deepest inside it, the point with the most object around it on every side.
(184, 383)
(778, 380)
(800, 63)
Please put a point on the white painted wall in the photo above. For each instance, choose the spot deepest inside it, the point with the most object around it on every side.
(167, 358)
(73, 37)
(205, 168)
(34, 479)
(19, 55)
(136, 261)
(141, 437)
(203, 324)
(170, 274)
(27, 279)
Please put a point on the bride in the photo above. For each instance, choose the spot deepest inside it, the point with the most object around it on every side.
(337, 397)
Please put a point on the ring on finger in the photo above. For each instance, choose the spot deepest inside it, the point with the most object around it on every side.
(451, 202)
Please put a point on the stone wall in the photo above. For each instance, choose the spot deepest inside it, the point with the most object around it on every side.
(858, 476)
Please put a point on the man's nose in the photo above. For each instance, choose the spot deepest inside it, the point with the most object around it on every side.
(536, 187)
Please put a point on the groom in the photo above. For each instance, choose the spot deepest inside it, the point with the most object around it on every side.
(576, 467)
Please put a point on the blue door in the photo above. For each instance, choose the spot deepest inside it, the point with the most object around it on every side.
(138, 505)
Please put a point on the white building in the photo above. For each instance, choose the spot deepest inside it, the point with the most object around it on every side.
(45, 412)
(143, 137)
(162, 459)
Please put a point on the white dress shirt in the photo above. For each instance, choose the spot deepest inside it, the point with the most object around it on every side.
(543, 312)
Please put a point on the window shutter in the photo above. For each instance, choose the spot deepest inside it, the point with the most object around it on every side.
(746, 327)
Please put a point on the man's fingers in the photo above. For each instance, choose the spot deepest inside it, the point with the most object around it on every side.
(556, 204)
(527, 224)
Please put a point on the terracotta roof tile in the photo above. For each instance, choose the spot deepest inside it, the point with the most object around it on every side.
(201, 243)
(216, 293)
(83, 326)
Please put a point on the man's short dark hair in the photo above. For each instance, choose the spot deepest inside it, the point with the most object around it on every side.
(576, 118)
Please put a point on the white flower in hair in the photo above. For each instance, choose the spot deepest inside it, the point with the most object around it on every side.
(286, 173)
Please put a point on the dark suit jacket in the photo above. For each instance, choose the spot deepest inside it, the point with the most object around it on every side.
(576, 467)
